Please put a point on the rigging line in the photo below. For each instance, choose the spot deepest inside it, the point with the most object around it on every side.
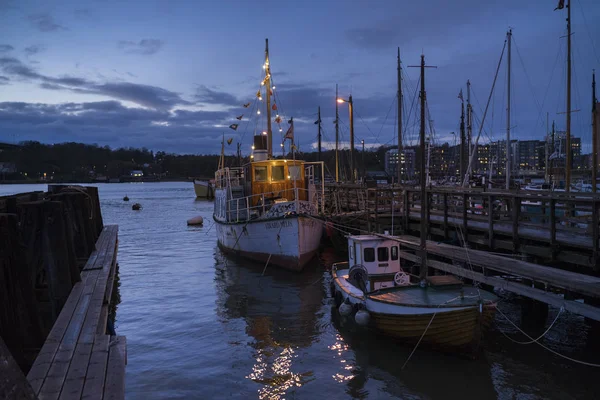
(587, 28)
(386, 117)
(539, 337)
(363, 121)
(537, 103)
(545, 347)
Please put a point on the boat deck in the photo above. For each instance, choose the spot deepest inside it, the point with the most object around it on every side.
(432, 296)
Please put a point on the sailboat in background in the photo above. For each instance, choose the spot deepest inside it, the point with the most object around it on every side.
(269, 209)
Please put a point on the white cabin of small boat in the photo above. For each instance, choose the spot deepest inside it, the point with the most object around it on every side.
(379, 256)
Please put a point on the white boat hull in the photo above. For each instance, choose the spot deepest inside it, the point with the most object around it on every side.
(289, 242)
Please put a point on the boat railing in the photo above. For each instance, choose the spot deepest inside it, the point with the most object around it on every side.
(267, 204)
(228, 177)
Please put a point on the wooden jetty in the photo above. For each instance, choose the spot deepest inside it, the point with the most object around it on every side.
(543, 246)
(554, 228)
(57, 273)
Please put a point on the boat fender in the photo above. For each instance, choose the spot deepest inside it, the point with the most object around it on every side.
(401, 279)
(362, 317)
(346, 308)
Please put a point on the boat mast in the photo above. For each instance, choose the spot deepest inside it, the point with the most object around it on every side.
(568, 150)
(469, 122)
(595, 134)
(337, 137)
(319, 122)
(463, 141)
(424, 206)
(267, 83)
(546, 176)
(399, 118)
(553, 151)
(508, 167)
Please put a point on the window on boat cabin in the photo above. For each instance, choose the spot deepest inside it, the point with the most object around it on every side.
(394, 253)
(277, 173)
(369, 254)
(260, 174)
(383, 254)
(294, 171)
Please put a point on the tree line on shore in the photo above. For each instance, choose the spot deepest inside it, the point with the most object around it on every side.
(86, 162)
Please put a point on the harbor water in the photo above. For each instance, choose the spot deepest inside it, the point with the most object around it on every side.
(200, 325)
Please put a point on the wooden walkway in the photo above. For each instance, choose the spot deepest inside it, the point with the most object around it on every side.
(537, 282)
(553, 228)
(79, 359)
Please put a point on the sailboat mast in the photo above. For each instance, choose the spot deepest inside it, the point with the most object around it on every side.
(568, 149)
(508, 166)
(399, 118)
(267, 82)
(337, 136)
(319, 122)
(546, 147)
(469, 119)
(594, 134)
(423, 272)
(463, 141)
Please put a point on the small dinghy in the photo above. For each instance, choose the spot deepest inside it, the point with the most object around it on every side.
(440, 309)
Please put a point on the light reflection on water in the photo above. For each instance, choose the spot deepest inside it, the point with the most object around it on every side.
(203, 326)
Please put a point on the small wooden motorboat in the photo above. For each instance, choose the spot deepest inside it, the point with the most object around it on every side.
(373, 287)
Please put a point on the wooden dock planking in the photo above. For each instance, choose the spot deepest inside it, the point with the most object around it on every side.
(572, 281)
(93, 387)
(114, 386)
(71, 361)
(553, 299)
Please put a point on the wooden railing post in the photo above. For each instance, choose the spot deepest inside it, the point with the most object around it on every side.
(465, 207)
(491, 221)
(406, 210)
(429, 201)
(445, 215)
(516, 213)
(553, 228)
(595, 234)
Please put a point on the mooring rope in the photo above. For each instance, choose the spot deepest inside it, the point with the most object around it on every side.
(421, 338)
(540, 344)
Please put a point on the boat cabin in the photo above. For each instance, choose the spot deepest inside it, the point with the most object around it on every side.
(378, 255)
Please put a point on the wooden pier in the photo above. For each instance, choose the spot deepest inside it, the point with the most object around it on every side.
(550, 228)
(57, 273)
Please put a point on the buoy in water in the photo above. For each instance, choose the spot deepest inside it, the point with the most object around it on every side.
(362, 317)
(136, 207)
(345, 308)
(196, 220)
(125, 198)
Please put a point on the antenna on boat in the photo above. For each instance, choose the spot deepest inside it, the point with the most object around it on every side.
(423, 271)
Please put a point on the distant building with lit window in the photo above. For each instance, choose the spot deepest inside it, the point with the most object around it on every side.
(406, 162)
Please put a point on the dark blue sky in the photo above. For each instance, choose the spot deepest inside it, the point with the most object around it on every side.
(173, 75)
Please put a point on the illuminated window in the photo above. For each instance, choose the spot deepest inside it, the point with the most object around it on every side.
(260, 174)
(277, 173)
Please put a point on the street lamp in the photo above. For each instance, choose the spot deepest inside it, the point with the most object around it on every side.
(350, 109)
